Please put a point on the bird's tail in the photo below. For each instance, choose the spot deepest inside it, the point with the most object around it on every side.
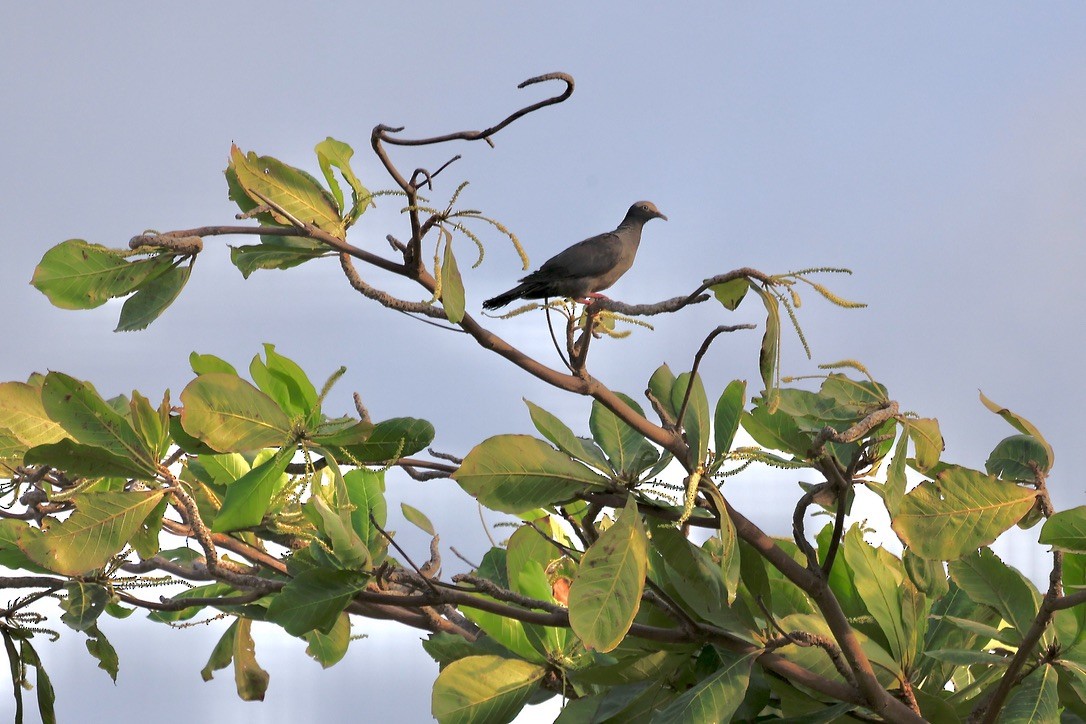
(502, 299)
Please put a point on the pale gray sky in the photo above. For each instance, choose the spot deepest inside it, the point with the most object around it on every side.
(935, 149)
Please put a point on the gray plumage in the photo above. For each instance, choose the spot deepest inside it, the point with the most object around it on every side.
(588, 267)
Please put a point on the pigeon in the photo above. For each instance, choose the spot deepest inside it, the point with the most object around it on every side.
(588, 267)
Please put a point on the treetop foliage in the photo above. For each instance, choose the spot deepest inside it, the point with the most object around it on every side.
(630, 586)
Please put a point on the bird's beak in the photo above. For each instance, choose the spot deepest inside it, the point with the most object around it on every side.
(660, 216)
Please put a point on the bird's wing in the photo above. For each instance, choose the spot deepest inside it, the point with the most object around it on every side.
(589, 258)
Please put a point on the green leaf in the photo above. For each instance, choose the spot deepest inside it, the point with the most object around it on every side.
(959, 512)
(988, 580)
(284, 381)
(98, 529)
(366, 492)
(1021, 424)
(276, 252)
(15, 666)
(348, 549)
(927, 442)
(328, 649)
(152, 298)
(695, 420)
(1015, 457)
(983, 631)
(101, 649)
(527, 545)
(769, 355)
(85, 461)
(516, 473)
(23, 422)
(250, 679)
(696, 578)
(46, 696)
(231, 415)
(627, 450)
(507, 632)
(150, 425)
(331, 152)
(1035, 700)
(927, 575)
(963, 657)
(776, 431)
(730, 294)
(1066, 530)
(878, 586)
(248, 497)
(88, 419)
(629, 702)
(554, 641)
(729, 544)
(356, 434)
(563, 438)
(390, 439)
(78, 275)
(452, 287)
(83, 605)
(894, 489)
(203, 364)
(314, 600)
(416, 516)
(729, 410)
(222, 654)
(484, 689)
(210, 590)
(660, 384)
(606, 594)
(293, 190)
(716, 697)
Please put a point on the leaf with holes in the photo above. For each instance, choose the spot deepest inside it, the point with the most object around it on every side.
(606, 594)
(89, 420)
(78, 275)
(1066, 530)
(263, 178)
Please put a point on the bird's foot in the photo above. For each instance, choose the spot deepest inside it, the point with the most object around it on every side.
(591, 297)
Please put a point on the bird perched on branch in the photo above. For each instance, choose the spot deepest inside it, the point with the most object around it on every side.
(588, 267)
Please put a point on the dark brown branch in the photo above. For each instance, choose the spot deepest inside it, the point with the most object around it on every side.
(196, 572)
(309, 232)
(697, 363)
(647, 310)
(382, 132)
(31, 582)
(799, 533)
(429, 177)
(746, 272)
(180, 604)
(384, 298)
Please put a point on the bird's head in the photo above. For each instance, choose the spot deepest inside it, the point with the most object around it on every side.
(643, 211)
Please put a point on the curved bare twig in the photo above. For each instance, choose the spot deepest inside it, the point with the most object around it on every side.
(383, 131)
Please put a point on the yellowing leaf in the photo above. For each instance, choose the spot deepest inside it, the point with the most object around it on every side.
(99, 528)
(958, 512)
(293, 190)
(606, 594)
